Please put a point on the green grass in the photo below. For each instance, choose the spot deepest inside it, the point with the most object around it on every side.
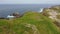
(43, 24)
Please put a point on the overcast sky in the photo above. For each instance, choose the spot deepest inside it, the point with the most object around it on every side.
(29, 1)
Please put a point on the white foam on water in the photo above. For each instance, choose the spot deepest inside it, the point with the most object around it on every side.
(41, 10)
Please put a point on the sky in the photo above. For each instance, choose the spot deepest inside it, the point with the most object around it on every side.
(29, 1)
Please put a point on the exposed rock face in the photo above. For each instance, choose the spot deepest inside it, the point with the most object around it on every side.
(16, 14)
(53, 13)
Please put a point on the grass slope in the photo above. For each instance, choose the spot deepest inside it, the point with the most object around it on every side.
(30, 23)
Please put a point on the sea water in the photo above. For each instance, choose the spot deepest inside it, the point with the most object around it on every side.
(7, 9)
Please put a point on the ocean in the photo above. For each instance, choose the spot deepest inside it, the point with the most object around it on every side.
(7, 9)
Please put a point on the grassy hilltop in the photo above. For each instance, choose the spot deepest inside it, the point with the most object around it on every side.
(29, 23)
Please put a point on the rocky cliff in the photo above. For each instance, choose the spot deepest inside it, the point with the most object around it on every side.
(53, 13)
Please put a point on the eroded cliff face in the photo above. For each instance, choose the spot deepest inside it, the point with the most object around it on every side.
(53, 13)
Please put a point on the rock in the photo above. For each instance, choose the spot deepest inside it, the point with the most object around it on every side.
(53, 13)
(16, 14)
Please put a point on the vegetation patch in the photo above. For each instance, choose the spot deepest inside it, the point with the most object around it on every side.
(29, 23)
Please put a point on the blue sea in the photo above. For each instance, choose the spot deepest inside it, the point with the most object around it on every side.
(6, 9)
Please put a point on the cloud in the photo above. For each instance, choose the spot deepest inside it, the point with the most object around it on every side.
(29, 1)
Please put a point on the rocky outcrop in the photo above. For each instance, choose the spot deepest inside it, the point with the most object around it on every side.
(16, 14)
(53, 13)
